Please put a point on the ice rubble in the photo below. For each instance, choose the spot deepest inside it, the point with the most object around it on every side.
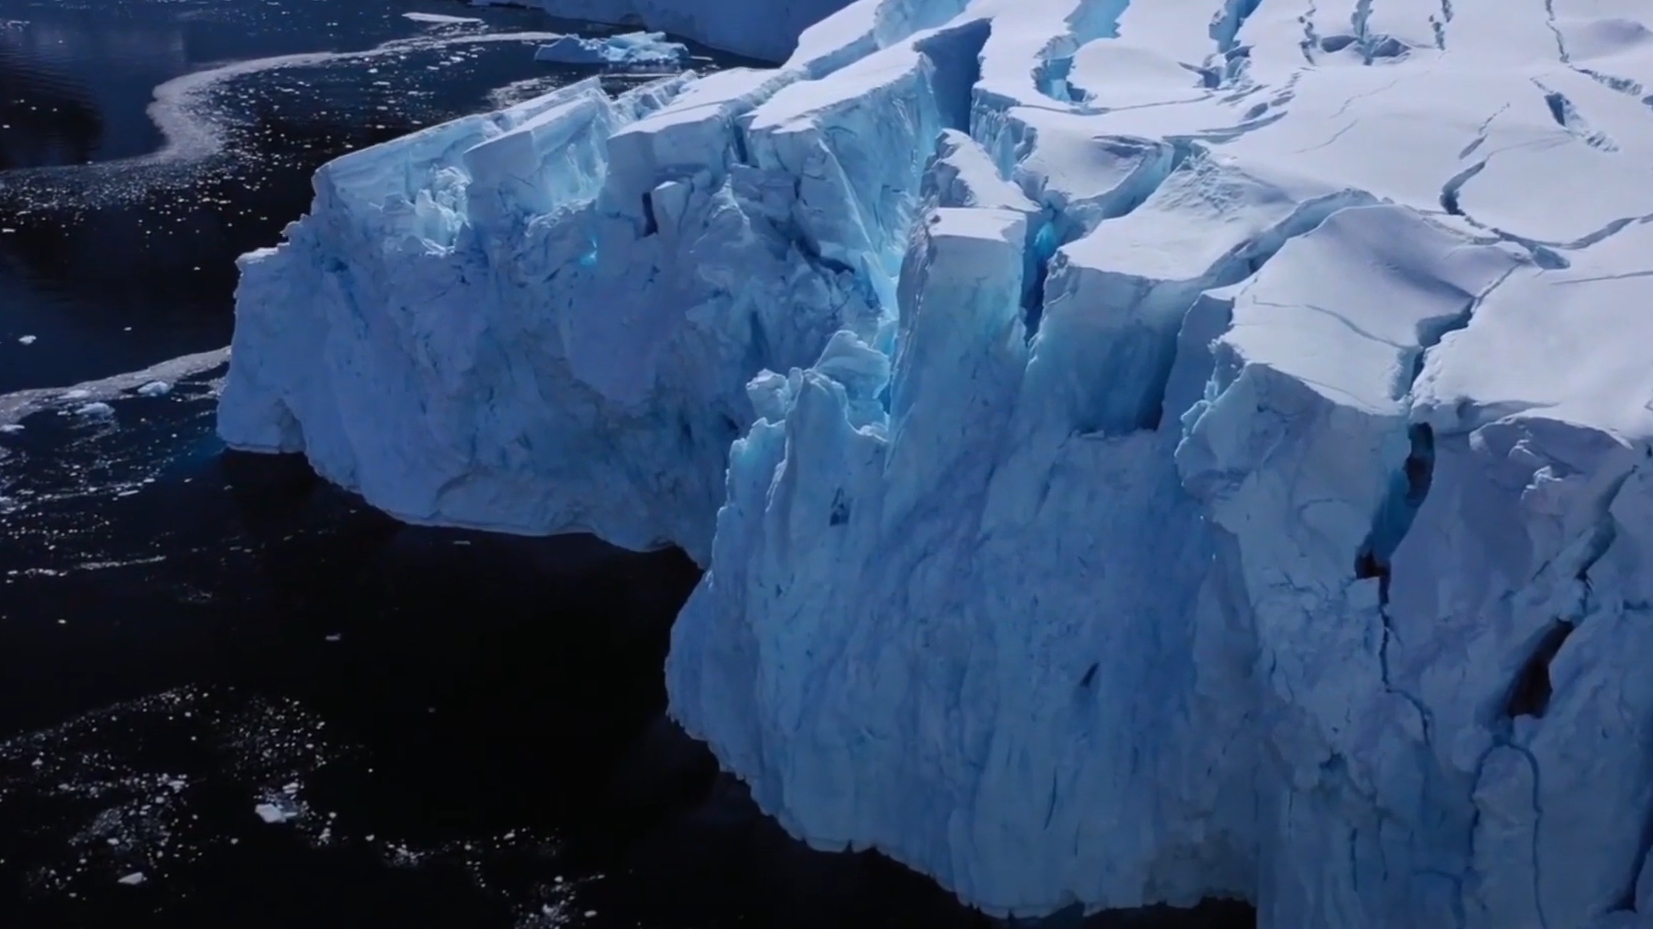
(632, 49)
(1181, 448)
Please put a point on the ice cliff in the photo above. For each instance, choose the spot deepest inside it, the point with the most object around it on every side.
(1141, 452)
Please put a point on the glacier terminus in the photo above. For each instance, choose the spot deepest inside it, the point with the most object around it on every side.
(1138, 451)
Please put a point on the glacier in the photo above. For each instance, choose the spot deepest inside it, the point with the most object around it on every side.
(1140, 452)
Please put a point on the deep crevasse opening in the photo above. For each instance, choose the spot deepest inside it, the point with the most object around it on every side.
(1109, 498)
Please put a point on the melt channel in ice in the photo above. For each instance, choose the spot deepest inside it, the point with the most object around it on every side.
(1141, 451)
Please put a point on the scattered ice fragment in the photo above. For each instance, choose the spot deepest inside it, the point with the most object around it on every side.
(334, 637)
(76, 394)
(439, 19)
(271, 813)
(95, 410)
(10, 428)
(133, 879)
(155, 389)
(28, 339)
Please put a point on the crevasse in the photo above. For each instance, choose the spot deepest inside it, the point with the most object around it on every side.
(1120, 479)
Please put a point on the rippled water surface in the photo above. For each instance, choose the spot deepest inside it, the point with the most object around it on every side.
(146, 144)
(231, 696)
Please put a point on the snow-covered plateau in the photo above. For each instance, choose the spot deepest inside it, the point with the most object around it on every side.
(1140, 451)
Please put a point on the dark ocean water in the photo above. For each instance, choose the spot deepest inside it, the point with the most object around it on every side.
(233, 696)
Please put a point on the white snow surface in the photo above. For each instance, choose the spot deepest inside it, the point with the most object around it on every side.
(1141, 451)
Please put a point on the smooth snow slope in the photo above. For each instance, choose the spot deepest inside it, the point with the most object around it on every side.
(1185, 448)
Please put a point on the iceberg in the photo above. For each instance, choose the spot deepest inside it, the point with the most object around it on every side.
(1140, 452)
(762, 29)
(632, 49)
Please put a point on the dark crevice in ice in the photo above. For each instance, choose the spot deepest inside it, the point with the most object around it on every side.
(1394, 519)
(1530, 693)
(1453, 188)
(1225, 29)
(840, 509)
(1041, 250)
(1051, 78)
(955, 54)
(650, 224)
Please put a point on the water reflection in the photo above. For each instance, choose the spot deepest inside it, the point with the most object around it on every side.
(47, 117)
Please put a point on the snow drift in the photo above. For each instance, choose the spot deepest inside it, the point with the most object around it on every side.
(1141, 452)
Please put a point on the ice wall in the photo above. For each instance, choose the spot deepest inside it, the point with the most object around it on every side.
(1142, 451)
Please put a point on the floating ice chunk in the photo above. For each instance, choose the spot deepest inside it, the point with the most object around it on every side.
(155, 389)
(26, 340)
(133, 879)
(440, 19)
(16, 406)
(633, 49)
(765, 29)
(97, 410)
(273, 813)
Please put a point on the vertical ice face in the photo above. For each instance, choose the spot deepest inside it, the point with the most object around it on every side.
(424, 334)
(1141, 451)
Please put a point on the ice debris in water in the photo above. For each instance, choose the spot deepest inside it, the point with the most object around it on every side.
(155, 389)
(275, 812)
(441, 19)
(629, 50)
(766, 29)
(27, 340)
(95, 410)
(1140, 451)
